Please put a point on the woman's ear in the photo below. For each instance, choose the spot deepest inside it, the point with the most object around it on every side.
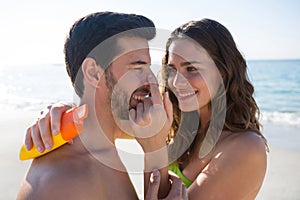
(92, 72)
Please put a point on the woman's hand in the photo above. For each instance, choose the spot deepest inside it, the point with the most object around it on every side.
(152, 119)
(177, 191)
(48, 123)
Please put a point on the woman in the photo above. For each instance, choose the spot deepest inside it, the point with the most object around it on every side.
(215, 143)
(235, 166)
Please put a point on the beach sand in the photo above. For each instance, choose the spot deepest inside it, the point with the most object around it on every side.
(281, 182)
(12, 129)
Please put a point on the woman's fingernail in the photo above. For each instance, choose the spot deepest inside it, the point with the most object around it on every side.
(48, 147)
(40, 149)
(27, 147)
(155, 173)
(80, 113)
(55, 131)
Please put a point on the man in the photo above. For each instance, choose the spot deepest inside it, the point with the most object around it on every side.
(100, 49)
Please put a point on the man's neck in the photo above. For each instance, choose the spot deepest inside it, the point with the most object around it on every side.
(98, 139)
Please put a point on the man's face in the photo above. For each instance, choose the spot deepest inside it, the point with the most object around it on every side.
(126, 77)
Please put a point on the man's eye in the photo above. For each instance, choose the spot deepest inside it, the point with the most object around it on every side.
(138, 69)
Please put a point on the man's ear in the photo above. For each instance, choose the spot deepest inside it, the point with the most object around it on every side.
(91, 71)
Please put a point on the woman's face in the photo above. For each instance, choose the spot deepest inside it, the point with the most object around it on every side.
(193, 75)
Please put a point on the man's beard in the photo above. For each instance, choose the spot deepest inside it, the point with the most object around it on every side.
(119, 98)
(122, 100)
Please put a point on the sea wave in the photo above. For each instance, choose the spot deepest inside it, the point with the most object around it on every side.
(24, 104)
(281, 118)
(10, 101)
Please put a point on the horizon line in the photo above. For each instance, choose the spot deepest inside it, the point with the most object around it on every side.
(57, 63)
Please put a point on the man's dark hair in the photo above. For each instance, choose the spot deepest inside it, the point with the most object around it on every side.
(95, 36)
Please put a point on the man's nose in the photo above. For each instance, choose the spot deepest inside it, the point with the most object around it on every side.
(146, 73)
(179, 81)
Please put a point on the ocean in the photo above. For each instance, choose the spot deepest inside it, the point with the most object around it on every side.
(276, 83)
(277, 90)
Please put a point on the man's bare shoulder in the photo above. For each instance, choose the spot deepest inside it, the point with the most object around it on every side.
(58, 176)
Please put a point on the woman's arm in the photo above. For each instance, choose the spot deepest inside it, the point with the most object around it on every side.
(151, 122)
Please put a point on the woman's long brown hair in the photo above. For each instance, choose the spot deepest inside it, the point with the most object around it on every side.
(241, 111)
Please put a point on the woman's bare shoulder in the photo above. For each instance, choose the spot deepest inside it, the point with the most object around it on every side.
(236, 169)
(248, 141)
(242, 150)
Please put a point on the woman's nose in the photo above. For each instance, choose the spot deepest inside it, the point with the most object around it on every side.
(179, 81)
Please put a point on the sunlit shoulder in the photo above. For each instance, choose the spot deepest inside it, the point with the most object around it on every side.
(236, 170)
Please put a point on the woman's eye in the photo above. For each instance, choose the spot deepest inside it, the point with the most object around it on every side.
(191, 69)
(171, 69)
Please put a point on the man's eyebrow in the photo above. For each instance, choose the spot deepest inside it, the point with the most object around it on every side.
(139, 62)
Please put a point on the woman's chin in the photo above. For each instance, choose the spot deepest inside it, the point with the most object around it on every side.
(188, 108)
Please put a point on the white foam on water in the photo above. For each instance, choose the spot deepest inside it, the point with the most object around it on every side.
(280, 118)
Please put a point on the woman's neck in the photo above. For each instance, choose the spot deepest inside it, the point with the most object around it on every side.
(205, 115)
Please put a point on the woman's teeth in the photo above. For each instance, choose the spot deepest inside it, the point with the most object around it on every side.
(186, 94)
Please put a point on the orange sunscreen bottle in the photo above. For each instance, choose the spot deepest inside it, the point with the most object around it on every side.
(71, 126)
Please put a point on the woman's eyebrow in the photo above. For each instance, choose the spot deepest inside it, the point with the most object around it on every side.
(184, 63)
(189, 63)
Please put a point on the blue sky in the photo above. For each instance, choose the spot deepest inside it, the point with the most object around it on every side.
(33, 31)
